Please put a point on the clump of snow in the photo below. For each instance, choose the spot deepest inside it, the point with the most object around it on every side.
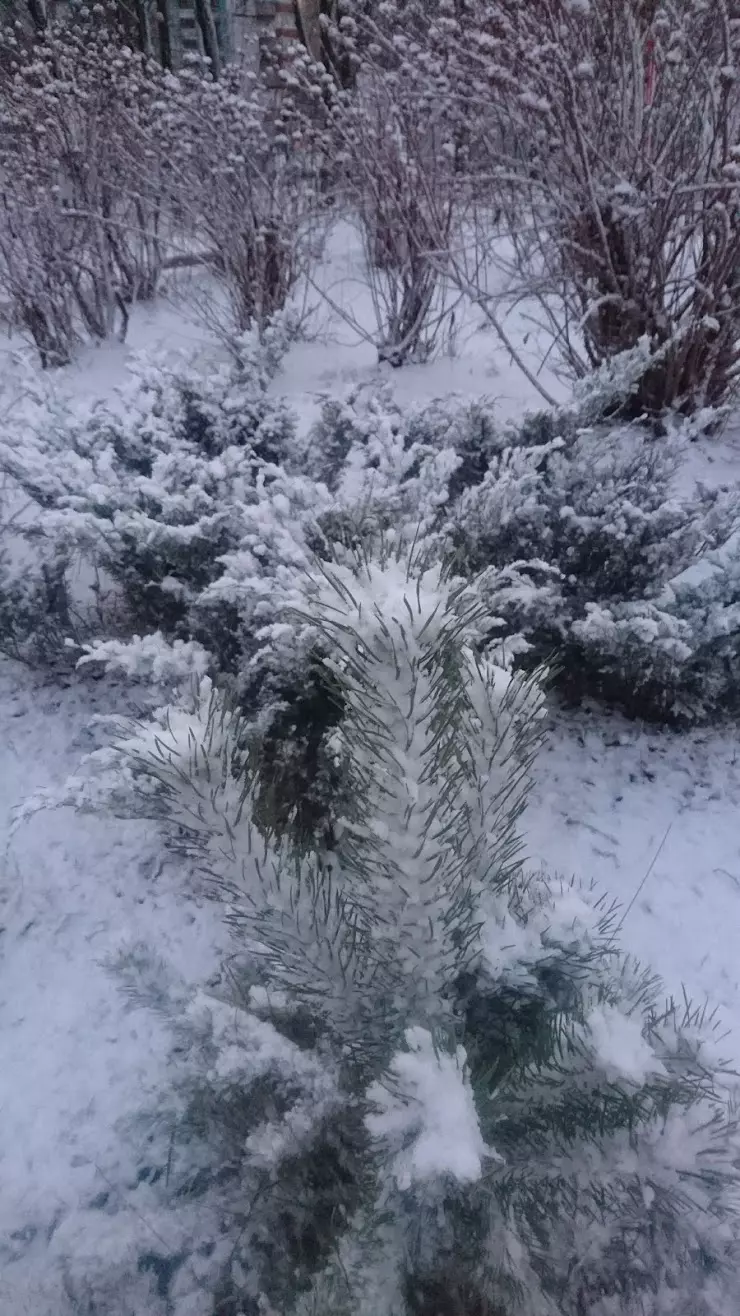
(620, 1045)
(288, 1135)
(553, 912)
(428, 1113)
(245, 1045)
(149, 658)
(509, 945)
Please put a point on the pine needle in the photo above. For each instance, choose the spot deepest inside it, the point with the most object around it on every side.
(651, 866)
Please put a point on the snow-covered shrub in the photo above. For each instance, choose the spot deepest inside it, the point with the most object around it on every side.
(111, 166)
(390, 160)
(632, 253)
(246, 187)
(461, 1095)
(399, 179)
(198, 502)
(594, 503)
(388, 467)
(152, 488)
(605, 134)
(37, 616)
(83, 181)
(592, 531)
(677, 653)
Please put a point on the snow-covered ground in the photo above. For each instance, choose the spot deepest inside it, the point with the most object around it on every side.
(651, 816)
(77, 1059)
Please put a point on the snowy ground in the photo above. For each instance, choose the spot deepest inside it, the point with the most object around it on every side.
(651, 817)
(77, 1062)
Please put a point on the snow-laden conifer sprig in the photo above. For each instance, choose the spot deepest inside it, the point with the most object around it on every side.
(435, 744)
(439, 745)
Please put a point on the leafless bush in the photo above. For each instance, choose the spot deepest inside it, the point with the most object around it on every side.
(83, 184)
(414, 168)
(247, 189)
(109, 167)
(401, 188)
(394, 169)
(605, 136)
(36, 254)
(608, 133)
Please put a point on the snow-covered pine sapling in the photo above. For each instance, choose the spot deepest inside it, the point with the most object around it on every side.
(434, 746)
(527, 1129)
(437, 745)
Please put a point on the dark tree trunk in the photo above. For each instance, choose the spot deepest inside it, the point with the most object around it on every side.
(165, 38)
(207, 25)
(39, 18)
(143, 28)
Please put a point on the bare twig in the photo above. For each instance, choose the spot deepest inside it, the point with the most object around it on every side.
(642, 884)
